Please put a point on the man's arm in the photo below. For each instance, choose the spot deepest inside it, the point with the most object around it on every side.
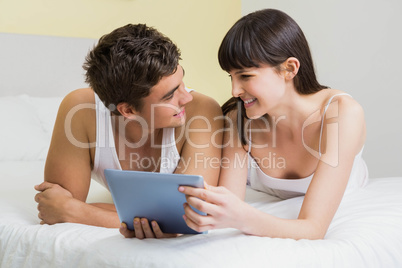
(68, 167)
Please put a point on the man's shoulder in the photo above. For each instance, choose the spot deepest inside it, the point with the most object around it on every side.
(78, 111)
(79, 96)
(78, 102)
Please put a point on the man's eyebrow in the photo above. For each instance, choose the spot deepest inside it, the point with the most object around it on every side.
(173, 90)
(170, 93)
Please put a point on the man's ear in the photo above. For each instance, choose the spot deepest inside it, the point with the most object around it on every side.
(291, 66)
(126, 110)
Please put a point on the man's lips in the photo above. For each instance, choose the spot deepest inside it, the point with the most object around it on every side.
(180, 114)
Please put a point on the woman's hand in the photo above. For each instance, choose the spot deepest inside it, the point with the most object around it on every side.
(53, 203)
(224, 209)
(143, 230)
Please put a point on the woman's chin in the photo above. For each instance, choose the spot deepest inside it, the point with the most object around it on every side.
(253, 115)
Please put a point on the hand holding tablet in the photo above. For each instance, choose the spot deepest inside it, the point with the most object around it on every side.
(153, 196)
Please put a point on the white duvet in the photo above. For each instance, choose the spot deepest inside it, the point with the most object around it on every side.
(366, 232)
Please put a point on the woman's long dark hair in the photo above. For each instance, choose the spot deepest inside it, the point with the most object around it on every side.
(269, 37)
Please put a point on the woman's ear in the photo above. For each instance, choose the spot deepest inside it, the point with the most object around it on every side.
(126, 110)
(291, 66)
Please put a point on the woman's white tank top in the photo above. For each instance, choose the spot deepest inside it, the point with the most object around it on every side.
(288, 188)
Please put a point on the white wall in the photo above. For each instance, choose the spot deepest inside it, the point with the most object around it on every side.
(356, 47)
(41, 66)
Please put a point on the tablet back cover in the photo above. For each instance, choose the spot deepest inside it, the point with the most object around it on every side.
(154, 196)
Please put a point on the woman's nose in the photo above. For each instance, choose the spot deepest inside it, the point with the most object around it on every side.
(236, 89)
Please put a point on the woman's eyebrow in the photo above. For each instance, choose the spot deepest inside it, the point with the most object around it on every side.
(241, 71)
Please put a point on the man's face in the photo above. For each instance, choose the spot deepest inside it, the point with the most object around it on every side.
(165, 105)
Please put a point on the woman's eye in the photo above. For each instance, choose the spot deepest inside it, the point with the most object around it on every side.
(169, 97)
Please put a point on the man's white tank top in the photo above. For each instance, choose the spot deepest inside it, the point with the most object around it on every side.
(288, 188)
(105, 151)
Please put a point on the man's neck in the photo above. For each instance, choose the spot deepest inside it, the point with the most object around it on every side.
(134, 133)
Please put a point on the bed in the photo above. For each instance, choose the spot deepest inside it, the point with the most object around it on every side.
(365, 232)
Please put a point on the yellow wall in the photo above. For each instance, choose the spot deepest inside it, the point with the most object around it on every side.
(197, 27)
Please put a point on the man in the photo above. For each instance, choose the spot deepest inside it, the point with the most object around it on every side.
(137, 115)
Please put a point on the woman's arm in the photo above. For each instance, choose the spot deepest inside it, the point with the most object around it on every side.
(346, 133)
(234, 166)
(226, 201)
(201, 151)
(345, 137)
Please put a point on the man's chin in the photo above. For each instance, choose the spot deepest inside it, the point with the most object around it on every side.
(179, 122)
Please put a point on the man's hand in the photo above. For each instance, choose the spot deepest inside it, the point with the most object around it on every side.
(53, 203)
(143, 230)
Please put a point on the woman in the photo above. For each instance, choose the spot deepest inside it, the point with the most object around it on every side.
(297, 136)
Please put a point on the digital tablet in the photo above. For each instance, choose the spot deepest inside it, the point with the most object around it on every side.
(151, 195)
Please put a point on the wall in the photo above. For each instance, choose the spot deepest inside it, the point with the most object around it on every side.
(196, 26)
(356, 47)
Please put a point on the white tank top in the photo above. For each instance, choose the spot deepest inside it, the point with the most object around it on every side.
(105, 151)
(288, 188)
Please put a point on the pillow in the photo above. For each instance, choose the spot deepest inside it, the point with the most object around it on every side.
(22, 136)
(46, 110)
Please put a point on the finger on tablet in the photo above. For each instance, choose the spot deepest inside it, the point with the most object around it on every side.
(211, 195)
(195, 217)
(201, 205)
(158, 232)
(146, 228)
(201, 193)
(125, 231)
(139, 233)
(195, 226)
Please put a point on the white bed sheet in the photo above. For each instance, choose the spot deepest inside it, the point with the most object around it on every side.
(366, 232)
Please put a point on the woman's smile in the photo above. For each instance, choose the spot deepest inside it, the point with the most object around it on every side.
(249, 102)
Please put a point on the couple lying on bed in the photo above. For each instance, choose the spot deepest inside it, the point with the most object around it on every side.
(282, 132)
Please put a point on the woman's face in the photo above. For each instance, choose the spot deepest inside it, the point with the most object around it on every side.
(260, 88)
